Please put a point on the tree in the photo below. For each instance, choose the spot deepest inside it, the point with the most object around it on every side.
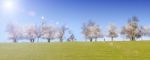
(48, 32)
(38, 32)
(14, 32)
(91, 31)
(31, 33)
(61, 32)
(97, 31)
(71, 37)
(132, 29)
(40, 29)
(112, 31)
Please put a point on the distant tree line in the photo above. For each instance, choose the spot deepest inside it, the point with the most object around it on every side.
(91, 30)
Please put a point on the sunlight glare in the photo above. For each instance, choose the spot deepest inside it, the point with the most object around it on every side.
(9, 5)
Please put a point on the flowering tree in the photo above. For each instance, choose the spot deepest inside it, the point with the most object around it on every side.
(48, 32)
(132, 29)
(62, 31)
(31, 33)
(14, 32)
(91, 31)
(112, 31)
(38, 32)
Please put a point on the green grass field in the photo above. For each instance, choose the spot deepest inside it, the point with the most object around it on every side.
(76, 51)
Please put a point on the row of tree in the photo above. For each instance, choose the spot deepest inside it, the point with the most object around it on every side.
(131, 30)
(31, 33)
(90, 30)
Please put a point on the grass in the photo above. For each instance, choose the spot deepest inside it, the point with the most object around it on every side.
(76, 51)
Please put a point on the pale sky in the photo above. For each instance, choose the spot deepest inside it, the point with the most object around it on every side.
(72, 13)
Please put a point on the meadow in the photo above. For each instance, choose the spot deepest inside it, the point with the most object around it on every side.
(132, 50)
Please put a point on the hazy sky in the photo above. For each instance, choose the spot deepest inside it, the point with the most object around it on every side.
(72, 13)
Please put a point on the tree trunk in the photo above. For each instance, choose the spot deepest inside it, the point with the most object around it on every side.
(112, 38)
(91, 39)
(61, 39)
(49, 40)
(15, 40)
(132, 38)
